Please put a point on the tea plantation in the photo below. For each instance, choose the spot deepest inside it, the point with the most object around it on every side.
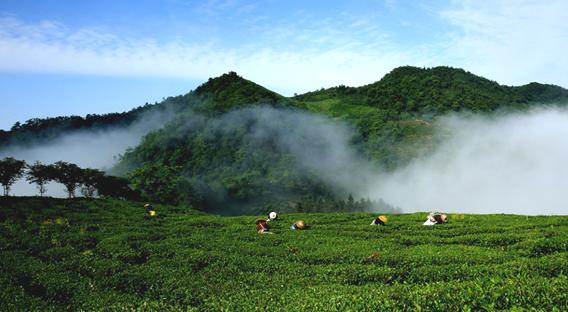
(106, 255)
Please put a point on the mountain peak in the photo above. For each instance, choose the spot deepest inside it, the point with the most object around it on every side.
(231, 90)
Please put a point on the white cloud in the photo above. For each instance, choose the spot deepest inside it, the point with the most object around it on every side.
(391, 5)
(310, 56)
(513, 42)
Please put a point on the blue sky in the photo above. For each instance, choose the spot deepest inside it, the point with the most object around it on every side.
(60, 57)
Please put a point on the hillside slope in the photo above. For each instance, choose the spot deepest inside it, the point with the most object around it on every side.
(439, 90)
(260, 151)
(106, 255)
(232, 146)
(231, 90)
(404, 90)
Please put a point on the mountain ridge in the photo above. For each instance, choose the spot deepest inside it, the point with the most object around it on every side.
(233, 146)
(401, 90)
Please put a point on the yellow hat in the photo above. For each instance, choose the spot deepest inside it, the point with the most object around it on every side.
(383, 219)
(152, 213)
(444, 218)
(300, 224)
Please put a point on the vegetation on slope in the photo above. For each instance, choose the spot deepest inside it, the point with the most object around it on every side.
(41, 130)
(222, 159)
(213, 154)
(106, 255)
(438, 90)
(231, 90)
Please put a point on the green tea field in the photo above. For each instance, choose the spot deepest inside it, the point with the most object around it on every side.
(106, 255)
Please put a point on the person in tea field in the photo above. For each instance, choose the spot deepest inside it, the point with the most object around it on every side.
(380, 220)
(436, 218)
(150, 210)
(299, 225)
(262, 227)
(272, 216)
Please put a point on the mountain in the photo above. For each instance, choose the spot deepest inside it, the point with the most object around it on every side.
(232, 146)
(405, 89)
(439, 90)
(244, 148)
(43, 130)
(231, 90)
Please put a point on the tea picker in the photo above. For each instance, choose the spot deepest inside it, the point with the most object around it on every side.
(436, 218)
(299, 225)
(262, 227)
(272, 216)
(380, 220)
(150, 210)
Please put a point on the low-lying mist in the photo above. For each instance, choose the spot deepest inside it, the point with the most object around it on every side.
(96, 149)
(512, 163)
(515, 163)
(504, 163)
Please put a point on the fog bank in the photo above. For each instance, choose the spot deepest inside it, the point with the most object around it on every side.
(515, 163)
(510, 164)
(86, 148)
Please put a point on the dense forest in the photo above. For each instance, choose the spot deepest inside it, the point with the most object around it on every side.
(233, 146)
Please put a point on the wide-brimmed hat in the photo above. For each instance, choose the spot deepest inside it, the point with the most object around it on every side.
(383, 219)
(300, 224)
(273, 215)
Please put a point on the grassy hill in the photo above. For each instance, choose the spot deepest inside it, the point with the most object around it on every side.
(106, 255)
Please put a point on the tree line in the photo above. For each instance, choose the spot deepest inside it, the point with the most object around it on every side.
(90, 182)
(310, 204)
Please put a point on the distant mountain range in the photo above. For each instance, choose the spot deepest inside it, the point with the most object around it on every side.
(231, 145)
(423, 91)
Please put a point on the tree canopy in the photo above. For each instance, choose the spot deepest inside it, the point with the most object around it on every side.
(10, 171)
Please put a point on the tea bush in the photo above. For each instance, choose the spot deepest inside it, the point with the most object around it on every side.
(107, 255)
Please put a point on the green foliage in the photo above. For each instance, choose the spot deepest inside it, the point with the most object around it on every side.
(79, 254)
(221, 167)
(230, 166)
(231, 163)
(542, 93)
(89, 179)
(109, 186)
(44, 129)
(92, 181)
(438, 90)
(69, 175)
(10, 171)
(40, 174)
(230, 90)
(156, 182)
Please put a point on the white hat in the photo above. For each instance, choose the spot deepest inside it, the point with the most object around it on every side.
(273, 215)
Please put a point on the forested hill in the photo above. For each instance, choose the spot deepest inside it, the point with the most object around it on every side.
(214, 96)
(41, 130)
(232, 146)
(405, 89)
(439, 90)
(230, 90)
(228, 155)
